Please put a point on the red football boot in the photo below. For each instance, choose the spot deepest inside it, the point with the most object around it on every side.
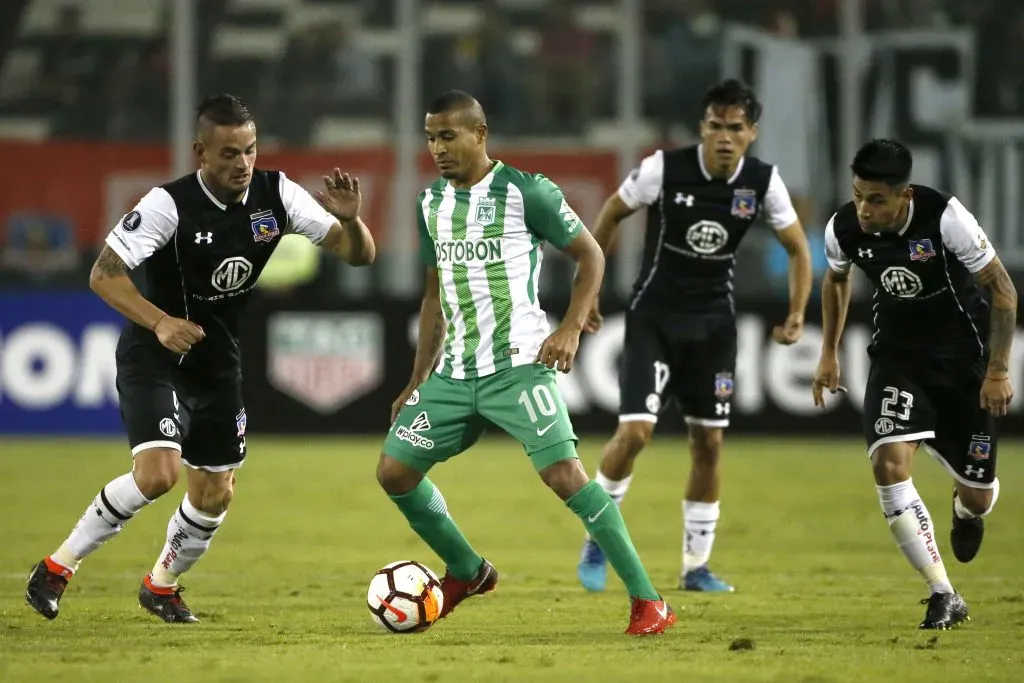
(455, 591)
(649, 616)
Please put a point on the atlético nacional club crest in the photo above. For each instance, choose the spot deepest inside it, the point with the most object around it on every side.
(921, 250)
(325, 360)
(486, 210)
(264, 226)
(744, 203)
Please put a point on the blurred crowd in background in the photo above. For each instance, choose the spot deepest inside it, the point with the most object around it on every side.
(544, 70)
(535, 68)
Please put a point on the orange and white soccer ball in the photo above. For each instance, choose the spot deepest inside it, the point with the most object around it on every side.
(404, 597)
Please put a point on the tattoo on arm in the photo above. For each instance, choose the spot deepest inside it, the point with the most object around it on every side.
(1000, 339)
(1003, 315)
(109, 263)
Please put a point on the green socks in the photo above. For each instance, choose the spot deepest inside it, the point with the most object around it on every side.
(604, 522)
(427, 513)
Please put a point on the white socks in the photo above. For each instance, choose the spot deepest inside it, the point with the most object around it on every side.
(616, 489)
(114, 505)
(699, 521)
(188, 537)
(964, 513)
(912, 527)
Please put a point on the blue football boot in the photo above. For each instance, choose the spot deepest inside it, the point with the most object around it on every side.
(592, 569)
(701, 579)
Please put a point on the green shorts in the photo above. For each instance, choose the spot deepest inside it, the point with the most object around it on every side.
(444, 417)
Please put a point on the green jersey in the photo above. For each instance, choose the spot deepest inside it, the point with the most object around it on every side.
(485, 242)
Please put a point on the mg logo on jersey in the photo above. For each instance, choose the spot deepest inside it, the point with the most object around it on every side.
(231, 274)
(466, 251)
(325, 360)
(901, 282)
(706, 237)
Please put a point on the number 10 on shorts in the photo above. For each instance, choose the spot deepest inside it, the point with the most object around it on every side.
(538, 400)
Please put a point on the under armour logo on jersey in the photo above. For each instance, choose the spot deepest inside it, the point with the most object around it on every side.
(978, 472)
(684, 199)
(204, 238)
(865, 253)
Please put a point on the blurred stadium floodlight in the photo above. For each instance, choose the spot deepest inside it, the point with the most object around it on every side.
(183, 85)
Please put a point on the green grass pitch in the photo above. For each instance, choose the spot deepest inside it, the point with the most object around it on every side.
(823, 593)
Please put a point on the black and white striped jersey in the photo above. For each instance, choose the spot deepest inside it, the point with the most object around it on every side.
(201, 258)
(695, 224)
(926, 300)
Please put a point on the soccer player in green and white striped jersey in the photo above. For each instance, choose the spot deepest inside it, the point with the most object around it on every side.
(485, 355)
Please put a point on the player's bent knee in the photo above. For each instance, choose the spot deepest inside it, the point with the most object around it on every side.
(156, 471)
(633, 436)
(211, 492)
(565, 477)
(395, 477)
(890, 462)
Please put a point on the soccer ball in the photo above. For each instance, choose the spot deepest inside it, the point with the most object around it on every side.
(404, 597)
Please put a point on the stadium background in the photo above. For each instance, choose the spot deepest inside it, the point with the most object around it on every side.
(96, 106)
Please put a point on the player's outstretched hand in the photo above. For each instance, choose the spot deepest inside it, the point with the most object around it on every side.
(559, 350)
(594, 320)
(177, 334)
(789, 332)
(826, 376)
(341, 196)
(996, 394)
(400, 401)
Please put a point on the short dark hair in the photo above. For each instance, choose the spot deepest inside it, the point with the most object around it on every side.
(885, 161)
(734, 93)
(451, 100)
(224, 110)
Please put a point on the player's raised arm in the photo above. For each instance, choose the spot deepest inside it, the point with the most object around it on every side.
(331, 220)
(141, 232)
(835, 302)
(962, 235)
(790, 233)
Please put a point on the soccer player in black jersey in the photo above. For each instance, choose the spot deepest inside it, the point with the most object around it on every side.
(202, 241)
(939, 354)
(680, 340)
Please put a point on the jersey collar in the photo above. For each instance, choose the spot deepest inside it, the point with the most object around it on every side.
(488, 179)
(906, 226)
(910, 217)
(708, 176)
(220, 205)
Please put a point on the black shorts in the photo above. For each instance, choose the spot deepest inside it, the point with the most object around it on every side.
(692, 362)
(935, 402)
(162, 407)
